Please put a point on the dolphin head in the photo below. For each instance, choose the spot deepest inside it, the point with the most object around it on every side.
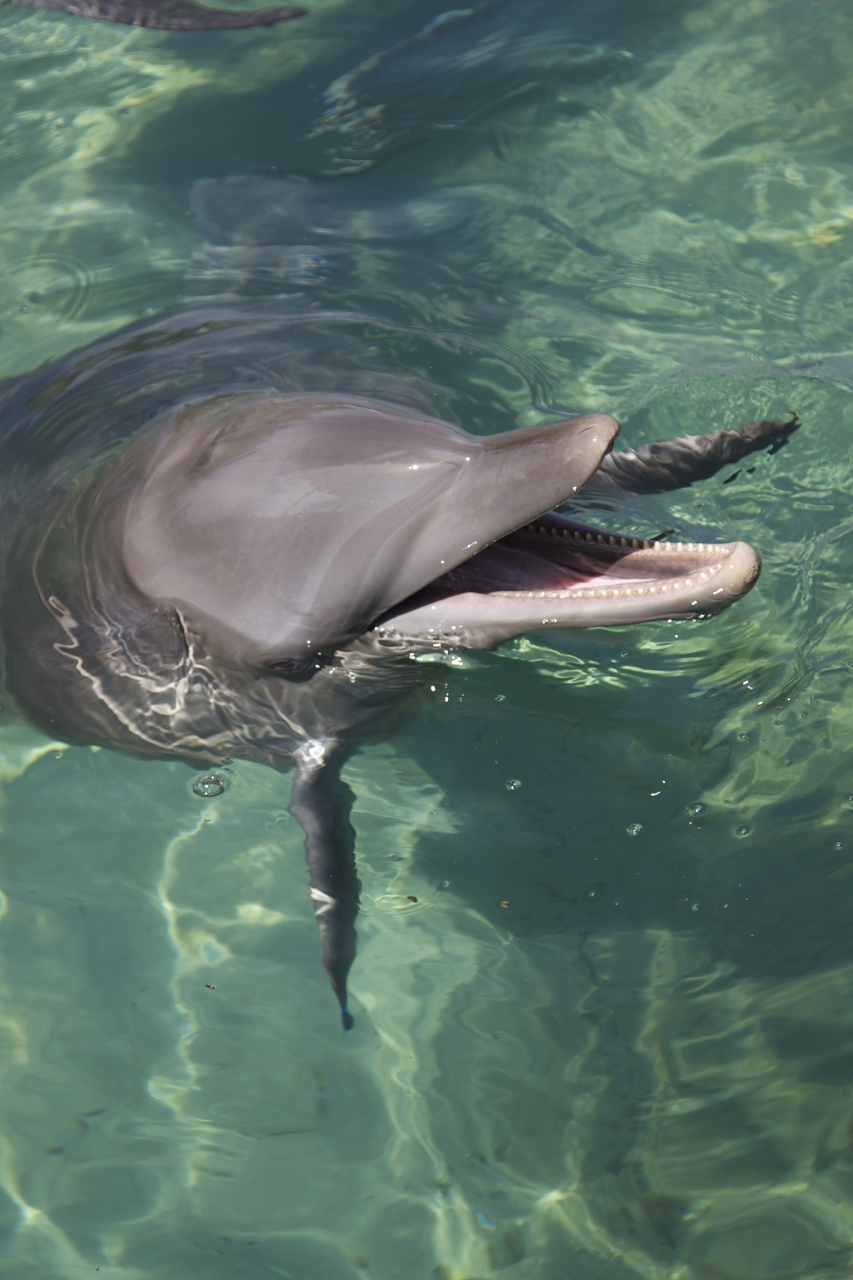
(285, 527)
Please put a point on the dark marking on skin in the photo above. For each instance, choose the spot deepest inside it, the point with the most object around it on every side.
(731, 478)
(168, 15)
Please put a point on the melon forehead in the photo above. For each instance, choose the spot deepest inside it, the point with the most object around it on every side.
(273, 516)
(295, 521)
(284, 456)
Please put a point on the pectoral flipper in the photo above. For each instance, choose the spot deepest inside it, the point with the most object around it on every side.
(664, 465)
(321, 802)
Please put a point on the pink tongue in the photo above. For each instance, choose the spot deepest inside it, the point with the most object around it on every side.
(504, 568)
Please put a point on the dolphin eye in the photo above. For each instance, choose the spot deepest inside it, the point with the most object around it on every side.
(298, 669)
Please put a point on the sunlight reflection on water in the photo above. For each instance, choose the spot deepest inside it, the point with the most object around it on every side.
(603, 1016)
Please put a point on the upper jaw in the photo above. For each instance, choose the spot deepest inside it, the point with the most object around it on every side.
(558, 573)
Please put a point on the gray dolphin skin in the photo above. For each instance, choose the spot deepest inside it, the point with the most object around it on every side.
(169, 15)
(215, 548)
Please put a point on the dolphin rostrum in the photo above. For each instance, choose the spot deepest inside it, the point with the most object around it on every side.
(203, 560)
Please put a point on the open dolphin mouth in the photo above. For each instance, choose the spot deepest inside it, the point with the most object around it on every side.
(556, 572)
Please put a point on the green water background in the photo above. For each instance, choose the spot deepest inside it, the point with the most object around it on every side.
(641, 1066)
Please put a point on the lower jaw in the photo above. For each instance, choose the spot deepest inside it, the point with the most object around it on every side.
(717, 576)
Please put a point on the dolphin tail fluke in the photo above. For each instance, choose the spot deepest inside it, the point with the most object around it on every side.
(320, 802)
(664, 465)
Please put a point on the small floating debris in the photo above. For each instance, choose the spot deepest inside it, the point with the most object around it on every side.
(410, 897)
(210, 986)
(209, 784)
(505, 903)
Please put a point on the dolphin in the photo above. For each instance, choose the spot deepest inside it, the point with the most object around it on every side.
(213, 549)
(169, 15)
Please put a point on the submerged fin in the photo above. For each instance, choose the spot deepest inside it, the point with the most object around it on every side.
(169, 15)
(664, 465)
(320, 802)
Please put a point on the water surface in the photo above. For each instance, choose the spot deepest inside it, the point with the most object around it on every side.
(641, 1065)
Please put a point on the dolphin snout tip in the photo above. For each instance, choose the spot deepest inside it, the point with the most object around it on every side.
(602, 429)
(738, 575)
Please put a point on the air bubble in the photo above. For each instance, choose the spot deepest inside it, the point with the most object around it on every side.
(634, 828)
(742, 831)
(697, 809)
(445, 884)
(744, 737)
(513, 784)
(501, 697)
(497, 1035)
(209, 784)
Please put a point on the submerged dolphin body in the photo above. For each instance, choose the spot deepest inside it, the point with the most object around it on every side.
(214, 548)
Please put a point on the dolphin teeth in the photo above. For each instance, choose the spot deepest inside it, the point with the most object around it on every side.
(589, 537)
(576, 534)
(612, 541)
(567, 533)
(647, 546)
(600, 537)
(623, 542)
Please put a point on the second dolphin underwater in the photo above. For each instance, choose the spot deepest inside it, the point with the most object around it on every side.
(216, 546)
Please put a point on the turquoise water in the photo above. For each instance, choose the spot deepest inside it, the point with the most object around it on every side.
(641, 1066)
